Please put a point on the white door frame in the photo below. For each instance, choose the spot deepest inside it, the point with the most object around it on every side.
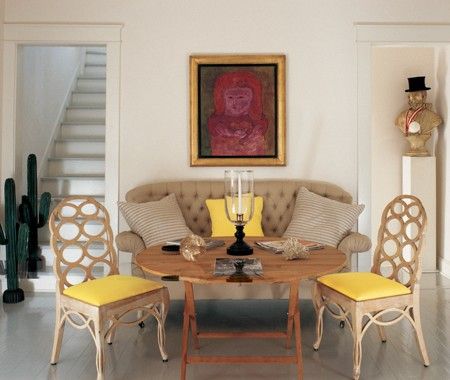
(16, 34)
(367, 36)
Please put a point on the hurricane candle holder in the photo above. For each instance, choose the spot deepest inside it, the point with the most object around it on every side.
(239, 204)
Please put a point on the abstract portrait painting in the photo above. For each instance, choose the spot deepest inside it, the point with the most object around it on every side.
(237, 110)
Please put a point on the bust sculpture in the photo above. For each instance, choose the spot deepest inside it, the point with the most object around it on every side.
(418, 121)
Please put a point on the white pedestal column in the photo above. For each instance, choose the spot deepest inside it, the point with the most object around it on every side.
(419, 179)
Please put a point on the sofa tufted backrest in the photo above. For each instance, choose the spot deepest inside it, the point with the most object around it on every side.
(279, 200)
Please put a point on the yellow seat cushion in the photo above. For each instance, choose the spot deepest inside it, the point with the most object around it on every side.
(362, 286)
(221, 226)
(103, 291)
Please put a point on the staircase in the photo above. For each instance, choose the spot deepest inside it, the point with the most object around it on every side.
(76, 163)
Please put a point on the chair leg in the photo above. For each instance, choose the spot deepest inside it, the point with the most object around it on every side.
(100, 345)
(59, 332)
(357, 337)
(161, 319)
(381, 332)
(319, 307)
(141, 324)
(415, 315)
(112, 332)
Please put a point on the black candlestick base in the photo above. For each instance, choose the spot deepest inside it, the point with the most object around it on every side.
(239, 247)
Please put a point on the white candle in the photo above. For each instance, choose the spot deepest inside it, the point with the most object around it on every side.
(239, 195)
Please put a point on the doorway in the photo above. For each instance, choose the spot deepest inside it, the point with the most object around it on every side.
(373, 43)
(89, 36)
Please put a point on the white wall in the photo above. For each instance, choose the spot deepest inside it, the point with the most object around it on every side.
(45, 75)
(2, 16)
(443, 159)
(391, 66)
(317, 37)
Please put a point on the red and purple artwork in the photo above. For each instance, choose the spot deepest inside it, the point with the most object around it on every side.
(237, 110)
(238, 126)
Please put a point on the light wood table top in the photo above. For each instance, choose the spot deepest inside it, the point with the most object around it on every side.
(275, 268)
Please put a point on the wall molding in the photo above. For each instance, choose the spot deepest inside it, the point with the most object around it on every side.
(444, 266)
(367, 36)
(47, 34)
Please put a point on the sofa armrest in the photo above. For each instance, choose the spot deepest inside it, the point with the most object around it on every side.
(354, 243)
(130, 242)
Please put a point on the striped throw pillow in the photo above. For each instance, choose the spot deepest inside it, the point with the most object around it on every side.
(156, 222)
(321, 219)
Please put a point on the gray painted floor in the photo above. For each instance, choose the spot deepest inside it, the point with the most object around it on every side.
(26, 334)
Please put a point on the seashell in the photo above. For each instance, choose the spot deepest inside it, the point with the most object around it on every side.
(192, 246)
(293, 249)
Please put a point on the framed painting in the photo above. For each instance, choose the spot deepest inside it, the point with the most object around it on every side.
(238, 110)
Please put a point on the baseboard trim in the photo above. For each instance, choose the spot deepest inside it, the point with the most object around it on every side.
(444, 266)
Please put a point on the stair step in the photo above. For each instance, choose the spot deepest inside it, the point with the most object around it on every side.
(85, 114)
(91, 84)
(75, 167)
(79, 158)
(74, 185)
(79, 147)
(85, 107)
(91, 76)
(95, 52)
(83, 122)
(84, 139)
(89, 92)
(88, 99)
(87, 177)
(95, 59)
(98, 197)
(87, 156)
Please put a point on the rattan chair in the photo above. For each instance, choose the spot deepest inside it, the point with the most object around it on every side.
(81, 239)
(362, 299)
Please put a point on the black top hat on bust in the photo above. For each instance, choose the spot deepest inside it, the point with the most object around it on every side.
(417, 84)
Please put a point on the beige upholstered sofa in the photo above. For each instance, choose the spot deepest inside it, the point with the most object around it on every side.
(279, 200)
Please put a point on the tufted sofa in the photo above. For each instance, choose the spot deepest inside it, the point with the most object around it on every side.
(279, 200)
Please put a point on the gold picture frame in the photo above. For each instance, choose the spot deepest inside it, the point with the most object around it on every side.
(238, 110)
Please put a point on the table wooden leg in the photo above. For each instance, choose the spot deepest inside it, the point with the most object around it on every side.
(298, 343)
(189, 301)
(292, 307)
(184, 341)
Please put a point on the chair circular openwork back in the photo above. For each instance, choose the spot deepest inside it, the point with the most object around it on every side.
(81, 239)
(400, 240)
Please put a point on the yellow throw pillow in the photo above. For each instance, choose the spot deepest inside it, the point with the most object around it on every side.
(221, 226)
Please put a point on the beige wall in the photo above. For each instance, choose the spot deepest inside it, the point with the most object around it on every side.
(443, 158)
(2, 16)
(317, 37)
(391, 66)
(158, 36)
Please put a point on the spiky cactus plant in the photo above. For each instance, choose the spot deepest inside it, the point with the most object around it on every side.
(30, 214)
(16, 241)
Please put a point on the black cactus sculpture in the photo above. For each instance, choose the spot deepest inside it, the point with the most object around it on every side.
(30, 214)
(16, 242)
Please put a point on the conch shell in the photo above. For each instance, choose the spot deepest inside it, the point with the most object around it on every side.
(192, 246)
(293, 249)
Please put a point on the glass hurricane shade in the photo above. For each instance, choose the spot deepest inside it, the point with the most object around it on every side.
(239, 196)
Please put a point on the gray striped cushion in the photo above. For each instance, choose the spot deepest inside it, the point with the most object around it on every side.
(156, 222)
(321, 219)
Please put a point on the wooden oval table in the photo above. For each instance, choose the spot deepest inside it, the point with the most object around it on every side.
(275, 270)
